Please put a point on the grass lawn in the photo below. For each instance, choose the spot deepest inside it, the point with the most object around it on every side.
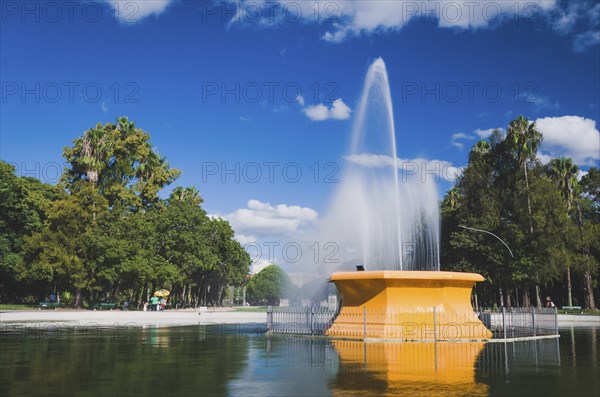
(585, 312)
(592, 312)
(11, 306)
(260, 309)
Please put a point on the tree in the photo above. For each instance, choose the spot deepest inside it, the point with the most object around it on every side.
(525, 137)
(105, 233)
(23, 204)
(189, 194)
(504, 190)
(119, 160)
(234, 262)
(588, 212)
(564, 173)
(473, 202)
(269, 286)
(58, 254)
(590, 189)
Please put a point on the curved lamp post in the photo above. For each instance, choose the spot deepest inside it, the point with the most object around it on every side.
(485, 231)
(502, 241)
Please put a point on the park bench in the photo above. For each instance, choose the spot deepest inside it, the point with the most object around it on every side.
(152, 308)
(572, 309)
(102, 306)
(49, 305)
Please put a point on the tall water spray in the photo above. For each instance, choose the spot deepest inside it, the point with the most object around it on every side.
(385, 212)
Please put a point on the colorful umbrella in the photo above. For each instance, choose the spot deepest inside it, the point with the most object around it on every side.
(162, 292)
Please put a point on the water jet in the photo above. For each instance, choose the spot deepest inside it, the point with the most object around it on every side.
(392, 226)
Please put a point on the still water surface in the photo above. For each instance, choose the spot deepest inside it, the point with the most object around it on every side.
(194, 361)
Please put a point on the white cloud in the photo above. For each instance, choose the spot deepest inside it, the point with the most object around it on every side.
(339, 110)
(567, 17)
(258, 265)
(439, 168)
(581, 174)
(583, 41)
(260, 219)
(484, 134)
(245, 238)
(128, 11)
(104, 107)
(364, 17)
(458, 137)
(571, 136)
(594, 15)
(319, 112)
(349, 18)
(544, 158)
(539, 102)
(352, 18)
(573, 13)
(300, 100)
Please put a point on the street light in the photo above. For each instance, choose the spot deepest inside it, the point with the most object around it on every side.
(485, 231)
(502, 241)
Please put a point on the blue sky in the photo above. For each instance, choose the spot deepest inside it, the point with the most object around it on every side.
(219, 86)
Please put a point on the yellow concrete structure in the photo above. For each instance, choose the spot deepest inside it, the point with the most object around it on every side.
(407, 305)
(412, 369)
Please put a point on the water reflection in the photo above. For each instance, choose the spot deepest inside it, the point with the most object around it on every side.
(203, 361)
(416, 368)
(159, 361)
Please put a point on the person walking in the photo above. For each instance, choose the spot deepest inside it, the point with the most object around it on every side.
(154, 302)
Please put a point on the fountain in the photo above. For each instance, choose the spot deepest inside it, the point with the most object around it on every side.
(447, 368)
(385, 217)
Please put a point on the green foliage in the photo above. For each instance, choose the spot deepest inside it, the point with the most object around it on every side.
(120, 161)
(547, 218)
(23, 205)
(269, 286)
(67, 298)
(590, 188)
(104, 233)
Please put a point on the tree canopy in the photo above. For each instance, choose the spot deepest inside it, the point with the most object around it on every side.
(269, 286)
(104, 233)
(547, 217)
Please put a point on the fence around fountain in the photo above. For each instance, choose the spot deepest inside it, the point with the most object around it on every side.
(506, 324)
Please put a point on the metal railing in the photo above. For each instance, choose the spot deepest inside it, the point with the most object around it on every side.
(520, 322)
(429, 324)
(299, 320)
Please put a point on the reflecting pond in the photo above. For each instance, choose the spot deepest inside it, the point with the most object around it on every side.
(210, 361)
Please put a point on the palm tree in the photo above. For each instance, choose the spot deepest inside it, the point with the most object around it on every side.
(481, 148)
(452, 199)
(189, 194)
(526, 138)
(90, 156)
(564, 172)
(480, 151)
(93, 150)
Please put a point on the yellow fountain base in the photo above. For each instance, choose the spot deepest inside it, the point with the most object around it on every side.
(407, 305)
(411, 369)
